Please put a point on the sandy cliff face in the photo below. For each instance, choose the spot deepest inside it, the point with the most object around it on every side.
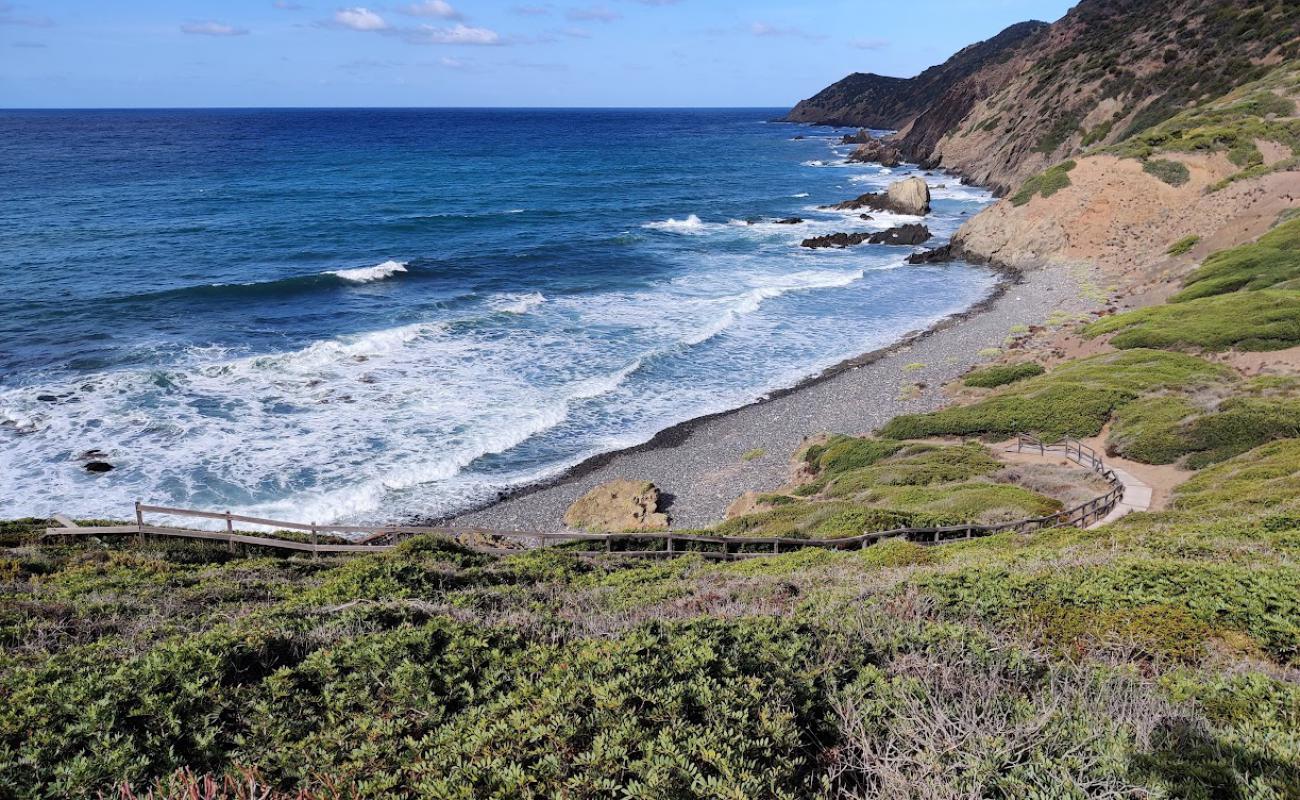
(1122, 220)
(1222, 171)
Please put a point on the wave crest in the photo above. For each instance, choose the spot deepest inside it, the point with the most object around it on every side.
(369, 274)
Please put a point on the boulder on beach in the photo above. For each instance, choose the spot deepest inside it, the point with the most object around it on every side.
(618, 506)
(863, 136)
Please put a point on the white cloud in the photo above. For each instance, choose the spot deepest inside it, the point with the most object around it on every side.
(577, 33)
(452, 63)
(531, 11)
(360, 19)
(457, 34)
(431, 8)
(211, 28)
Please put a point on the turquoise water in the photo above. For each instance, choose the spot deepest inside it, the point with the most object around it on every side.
(347, 315)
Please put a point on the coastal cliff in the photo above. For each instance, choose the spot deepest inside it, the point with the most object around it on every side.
(1003, 110)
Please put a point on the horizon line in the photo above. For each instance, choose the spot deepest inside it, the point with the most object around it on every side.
(392, 108)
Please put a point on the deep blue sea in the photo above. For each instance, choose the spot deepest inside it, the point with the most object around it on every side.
(377, 314)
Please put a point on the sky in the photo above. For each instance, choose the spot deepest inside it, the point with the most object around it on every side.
(506, 53)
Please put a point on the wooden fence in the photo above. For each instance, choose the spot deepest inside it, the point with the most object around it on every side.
(378, 538)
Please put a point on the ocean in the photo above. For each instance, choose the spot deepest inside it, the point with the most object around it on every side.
(376, 315)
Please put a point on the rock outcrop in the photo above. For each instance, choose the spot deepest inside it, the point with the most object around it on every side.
(618, 506)
(877, 151)
(910, 196)
(882, 102)
(912, 234)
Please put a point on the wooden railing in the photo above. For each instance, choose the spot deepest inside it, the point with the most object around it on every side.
(378, 538)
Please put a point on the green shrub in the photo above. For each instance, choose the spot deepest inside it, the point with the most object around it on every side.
(1174, 173)
(1150, 430)
(992, 377)
(1183, 245)
(1045, 184)
(1271, 260)
(1262, 320)
(1075, 399)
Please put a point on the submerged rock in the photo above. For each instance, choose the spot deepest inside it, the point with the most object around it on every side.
(912, 234)
(99, 466)
(790, 221)
(618, 506)
(835, 240)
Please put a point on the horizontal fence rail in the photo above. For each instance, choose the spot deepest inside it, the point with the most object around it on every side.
(380, 538)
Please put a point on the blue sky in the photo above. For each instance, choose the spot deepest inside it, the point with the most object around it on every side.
(188, 53)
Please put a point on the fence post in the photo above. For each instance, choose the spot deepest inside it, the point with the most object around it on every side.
(609, 543)
(230, 532)
(315, 554)
(139, 523)
(671, 551)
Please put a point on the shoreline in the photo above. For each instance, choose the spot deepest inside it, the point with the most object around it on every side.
(697, 463)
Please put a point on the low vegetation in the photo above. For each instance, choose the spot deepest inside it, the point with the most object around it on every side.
(1001, 375)
(1263, 320)
(1174, 173)
(1075, 399)
(1263, 110)
(1196, 431)
(1045, 184)
(1273, 261)
(1183, 246)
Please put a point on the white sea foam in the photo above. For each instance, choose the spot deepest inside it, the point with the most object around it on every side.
(369, 274)
(741, 305)
(800, 194)
(517, 303)
(691, 224)
(814, 163)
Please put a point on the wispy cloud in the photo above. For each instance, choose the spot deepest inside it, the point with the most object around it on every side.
(575, 33)
(11, 14)
(592, 14)
(287, 5)
(212, 28)
(531, 11)
(360, 19)
(457, 34)
(764, 29)
(431, 8)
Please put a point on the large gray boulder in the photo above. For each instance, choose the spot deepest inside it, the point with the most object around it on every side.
(910, 196)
